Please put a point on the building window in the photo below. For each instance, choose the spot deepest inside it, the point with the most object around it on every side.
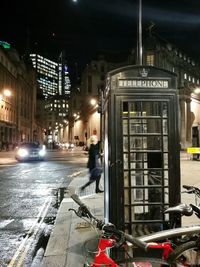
(150, 60)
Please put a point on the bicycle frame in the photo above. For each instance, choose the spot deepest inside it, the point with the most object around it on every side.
(171, 233)
(165, 249)
(102, 257)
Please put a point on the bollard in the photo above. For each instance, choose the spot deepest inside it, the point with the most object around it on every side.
(62, 192)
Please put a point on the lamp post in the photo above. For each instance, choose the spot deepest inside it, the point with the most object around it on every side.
(92, 119)
(140, 52)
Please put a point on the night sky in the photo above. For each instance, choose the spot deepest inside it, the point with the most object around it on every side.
(85, 27)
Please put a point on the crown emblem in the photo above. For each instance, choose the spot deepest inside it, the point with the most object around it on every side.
(144, 72)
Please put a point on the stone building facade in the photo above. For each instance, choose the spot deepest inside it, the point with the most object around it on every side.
(84, 119)
(164, 55)
(158, 53)
(18, 108)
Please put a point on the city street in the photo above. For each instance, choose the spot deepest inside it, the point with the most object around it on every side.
(28, 198)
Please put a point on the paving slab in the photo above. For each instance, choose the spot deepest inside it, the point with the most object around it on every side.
(66, 245)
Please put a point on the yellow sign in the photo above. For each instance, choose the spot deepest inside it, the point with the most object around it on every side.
(193, 150)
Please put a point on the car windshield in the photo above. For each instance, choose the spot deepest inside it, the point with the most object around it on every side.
(29, 145)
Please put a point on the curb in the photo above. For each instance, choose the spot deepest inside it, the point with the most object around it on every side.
(66, 242)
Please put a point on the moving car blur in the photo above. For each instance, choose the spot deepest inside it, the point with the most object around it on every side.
(30, 151)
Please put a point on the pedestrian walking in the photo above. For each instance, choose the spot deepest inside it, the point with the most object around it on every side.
(93, 164)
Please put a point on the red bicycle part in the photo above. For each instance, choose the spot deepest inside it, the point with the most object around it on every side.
(166, 247)
(101, 256)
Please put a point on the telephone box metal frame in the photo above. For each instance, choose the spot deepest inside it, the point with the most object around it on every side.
(141, 148)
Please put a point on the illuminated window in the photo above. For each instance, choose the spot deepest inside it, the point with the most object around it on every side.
(150, 60)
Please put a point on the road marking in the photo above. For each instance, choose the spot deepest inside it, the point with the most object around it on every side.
(74, 174)
(5, 223)
(6, 165)
(23, 248)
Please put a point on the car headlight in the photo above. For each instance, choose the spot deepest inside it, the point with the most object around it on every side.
(22, 152)
(42, 152)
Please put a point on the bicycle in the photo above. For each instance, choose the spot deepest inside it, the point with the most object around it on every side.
(184, 209)
(190, 189)
(143, 252)
(189, 250)
(187, 239)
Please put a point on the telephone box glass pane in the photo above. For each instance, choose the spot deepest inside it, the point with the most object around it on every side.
(145, 143)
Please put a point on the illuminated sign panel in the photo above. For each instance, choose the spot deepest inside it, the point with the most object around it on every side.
(193, 150)
(5, 44)
(144, 83)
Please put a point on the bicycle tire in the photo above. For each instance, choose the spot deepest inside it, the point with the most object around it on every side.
(187, 254)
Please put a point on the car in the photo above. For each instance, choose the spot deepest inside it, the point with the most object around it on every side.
(30, 151)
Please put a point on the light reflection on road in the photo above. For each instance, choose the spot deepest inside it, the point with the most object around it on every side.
(24, 189)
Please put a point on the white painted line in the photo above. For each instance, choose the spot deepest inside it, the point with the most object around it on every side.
(22, 249)
(5, 223)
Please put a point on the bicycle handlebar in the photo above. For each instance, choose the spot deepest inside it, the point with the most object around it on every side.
(77, 200)
(137, 242)
(110, 229)
(133, 240)
(85, 210)
(192, 189)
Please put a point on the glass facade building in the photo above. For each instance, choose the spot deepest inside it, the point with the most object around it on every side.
(47, 74)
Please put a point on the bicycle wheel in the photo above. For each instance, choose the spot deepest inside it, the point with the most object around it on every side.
(141, 258)
(187, 254)
(142, 261)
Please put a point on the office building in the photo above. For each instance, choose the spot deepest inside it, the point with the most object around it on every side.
(47, 74)
(54, 82)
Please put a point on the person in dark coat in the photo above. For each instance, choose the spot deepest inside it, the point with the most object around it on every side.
(93, 156)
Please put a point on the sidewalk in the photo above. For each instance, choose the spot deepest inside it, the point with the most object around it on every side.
(66, 244)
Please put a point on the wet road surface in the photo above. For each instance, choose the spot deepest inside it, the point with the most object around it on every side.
(28, 194)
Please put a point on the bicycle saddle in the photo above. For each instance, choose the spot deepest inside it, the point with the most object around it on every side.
(182, 209)
(196, 209)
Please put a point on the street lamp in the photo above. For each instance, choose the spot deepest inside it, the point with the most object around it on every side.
(7, 92)
(197, 90)
(93, 102)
